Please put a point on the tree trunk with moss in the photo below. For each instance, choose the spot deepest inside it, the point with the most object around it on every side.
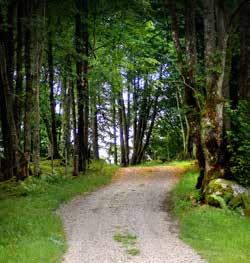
(216, 40)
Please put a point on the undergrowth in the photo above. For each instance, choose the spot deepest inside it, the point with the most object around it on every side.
(30, 229)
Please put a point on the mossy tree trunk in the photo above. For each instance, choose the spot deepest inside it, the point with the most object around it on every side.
(216, 43)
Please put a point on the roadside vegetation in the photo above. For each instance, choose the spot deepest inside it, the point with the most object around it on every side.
(30, 228)
(218, 235)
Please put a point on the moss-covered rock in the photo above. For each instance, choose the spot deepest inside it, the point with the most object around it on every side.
(223, 193)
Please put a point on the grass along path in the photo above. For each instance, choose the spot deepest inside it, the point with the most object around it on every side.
(220, 236)
(30, 230)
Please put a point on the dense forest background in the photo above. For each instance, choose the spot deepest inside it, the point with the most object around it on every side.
(125, 80)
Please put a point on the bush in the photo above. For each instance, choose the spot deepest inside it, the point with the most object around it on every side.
(239, 138)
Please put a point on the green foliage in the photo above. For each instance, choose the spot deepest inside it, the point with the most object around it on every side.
(218, 235)
(30, 230)
(239, 138)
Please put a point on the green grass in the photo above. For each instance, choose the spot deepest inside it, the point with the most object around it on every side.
(133, 251)
(218, 235)
(30, 229)
(128, 241)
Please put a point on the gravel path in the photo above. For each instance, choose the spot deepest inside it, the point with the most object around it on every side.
(131, 205)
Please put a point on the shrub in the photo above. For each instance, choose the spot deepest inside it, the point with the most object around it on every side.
(239, 137)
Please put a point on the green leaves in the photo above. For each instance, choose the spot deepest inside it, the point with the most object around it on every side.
(239, 146)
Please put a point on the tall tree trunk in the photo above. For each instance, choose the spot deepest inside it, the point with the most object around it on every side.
(29, 94)
(216, 39)
(135, 119)
(95, 132)
(75, 134)
(12, 5)
(150, 129)
(141, 125)
(184, 142)
(82, 49)
(114, 132)
(121, 128)
(54, 142)
(11, 145)
(18, 108)
(36, 132)
(12, 151)
(67, 101)
(125, 127)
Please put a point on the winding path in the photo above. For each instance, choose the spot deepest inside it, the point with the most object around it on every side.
(131, 205)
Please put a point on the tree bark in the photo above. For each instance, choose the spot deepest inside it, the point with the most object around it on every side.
(216, 39)
(67, 101)
(11, 145)
(29, 94)
(121, 128)
(244, 91)
(18, 109)
(95, 133)
(114, 132)
(82, 49)
(54, 142)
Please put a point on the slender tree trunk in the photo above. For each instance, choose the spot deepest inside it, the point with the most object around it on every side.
(95, 133)
(75, 134)
(150, 129)
(141, 125)
(82, 49)
(125, 127)
(182, 126)
(36, 132)
(29, 94)
(135, 108)
(54, 142)
(12, 5)
(114, 132)
(18, 109)
(67, 101)
(121, 127)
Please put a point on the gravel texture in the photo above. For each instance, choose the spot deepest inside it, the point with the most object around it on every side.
(132, 204)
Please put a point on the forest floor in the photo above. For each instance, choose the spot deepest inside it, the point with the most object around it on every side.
(127, 221)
